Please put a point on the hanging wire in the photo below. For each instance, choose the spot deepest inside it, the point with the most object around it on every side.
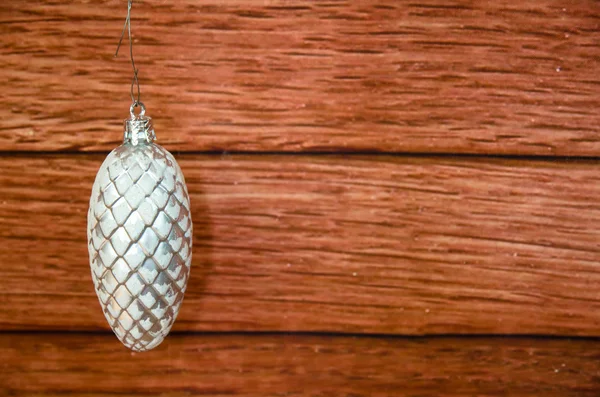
(134, 81)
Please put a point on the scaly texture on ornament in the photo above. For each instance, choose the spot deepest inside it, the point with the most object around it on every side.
(140, 242)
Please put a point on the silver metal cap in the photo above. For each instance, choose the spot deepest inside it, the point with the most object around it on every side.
(138, 128)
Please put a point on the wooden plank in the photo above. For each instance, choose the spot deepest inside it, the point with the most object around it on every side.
(246, 75)
(275, 365)
(396, 245)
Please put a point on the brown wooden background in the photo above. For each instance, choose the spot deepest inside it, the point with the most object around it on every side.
(390, 198)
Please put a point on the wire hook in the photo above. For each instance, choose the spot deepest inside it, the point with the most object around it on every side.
(134, 81)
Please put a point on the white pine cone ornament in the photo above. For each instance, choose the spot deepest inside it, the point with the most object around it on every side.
(140, 237)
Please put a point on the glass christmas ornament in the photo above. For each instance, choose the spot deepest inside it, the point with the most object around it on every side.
(140, 236)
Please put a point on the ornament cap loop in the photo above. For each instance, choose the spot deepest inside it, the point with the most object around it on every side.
(138, 128)
(134, 105)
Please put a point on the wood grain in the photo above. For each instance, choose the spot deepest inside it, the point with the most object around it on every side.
(232, 365)
(390, 245)
(432, 76)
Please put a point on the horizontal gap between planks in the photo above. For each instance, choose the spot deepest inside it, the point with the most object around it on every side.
(47, 153)
(320, 334)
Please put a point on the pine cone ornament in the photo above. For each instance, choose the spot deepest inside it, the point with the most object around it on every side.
(140, 237)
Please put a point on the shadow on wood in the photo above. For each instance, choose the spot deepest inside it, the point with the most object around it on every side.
(202, 262)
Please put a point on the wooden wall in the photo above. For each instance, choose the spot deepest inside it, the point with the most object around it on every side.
(390, 198)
